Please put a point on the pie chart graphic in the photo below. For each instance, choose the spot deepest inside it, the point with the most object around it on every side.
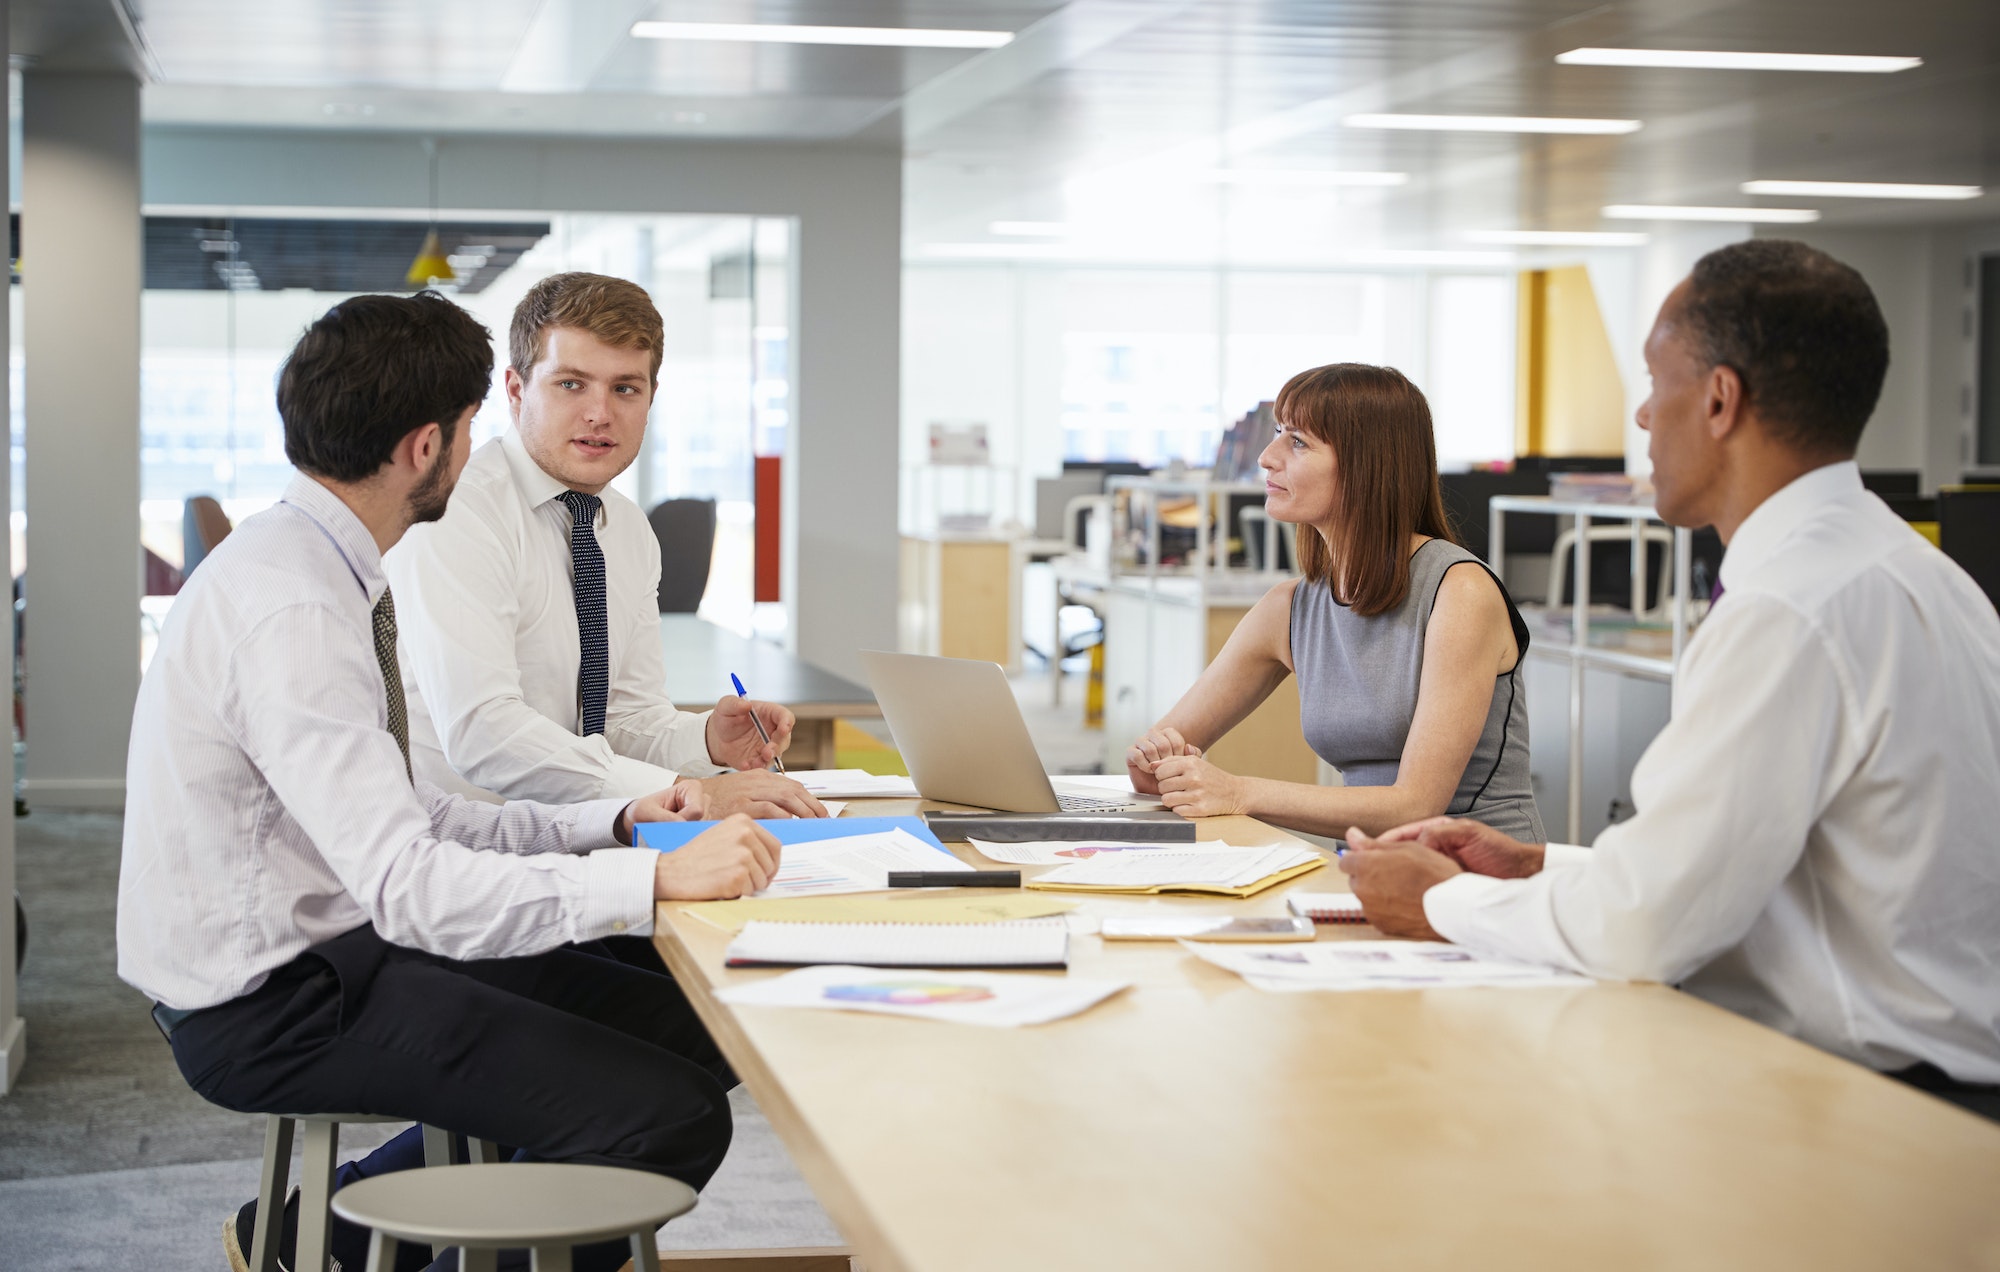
(908, 993)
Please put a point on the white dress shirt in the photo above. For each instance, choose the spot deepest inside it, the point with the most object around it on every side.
(490, 651)
(1817, 841)
(267, 809)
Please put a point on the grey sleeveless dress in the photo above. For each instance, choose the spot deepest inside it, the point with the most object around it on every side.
(1358, 693)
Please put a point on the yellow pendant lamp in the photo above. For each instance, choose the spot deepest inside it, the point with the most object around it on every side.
(431, 266)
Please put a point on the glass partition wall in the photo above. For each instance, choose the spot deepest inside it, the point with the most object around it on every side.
(225, 299)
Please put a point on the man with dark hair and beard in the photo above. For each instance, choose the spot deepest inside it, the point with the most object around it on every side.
(321, 933)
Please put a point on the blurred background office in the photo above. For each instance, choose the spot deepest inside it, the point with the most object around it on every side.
(972, 306)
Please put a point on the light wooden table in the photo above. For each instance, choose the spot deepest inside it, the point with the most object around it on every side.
(700, 656)
(1196, 1123)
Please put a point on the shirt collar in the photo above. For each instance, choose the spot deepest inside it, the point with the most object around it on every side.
(1764, 531)
(535, 484)
(343, 529)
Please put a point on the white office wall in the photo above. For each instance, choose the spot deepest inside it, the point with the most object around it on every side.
(1070, 359)
(1896, 264)
(13, 1033)
(1952, 392)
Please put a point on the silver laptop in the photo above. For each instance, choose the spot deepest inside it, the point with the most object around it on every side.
(961, 733)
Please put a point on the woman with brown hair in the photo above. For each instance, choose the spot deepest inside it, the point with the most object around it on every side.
(1409, 667)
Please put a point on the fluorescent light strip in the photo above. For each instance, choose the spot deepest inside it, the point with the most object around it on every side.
(1692, 59)
(1492, 123)
(997, 251)
(1303, 177)
(1557, 238)
(1408, 256)
(1862, 190)
(1667, 212)
(1029, 229)
(773, 33)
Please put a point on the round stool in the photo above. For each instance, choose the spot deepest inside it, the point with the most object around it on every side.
(547, 1207)
(321, 1150)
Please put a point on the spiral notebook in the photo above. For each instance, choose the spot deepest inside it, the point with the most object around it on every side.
(1327, 907)
(1024, 943)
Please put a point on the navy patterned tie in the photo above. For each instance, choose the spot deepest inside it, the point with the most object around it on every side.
(593, 673)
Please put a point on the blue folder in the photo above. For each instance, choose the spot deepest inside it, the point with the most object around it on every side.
(667, 836)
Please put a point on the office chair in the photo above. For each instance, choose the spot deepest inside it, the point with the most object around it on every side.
(686, 531)
(1969, 533)
(203, 526)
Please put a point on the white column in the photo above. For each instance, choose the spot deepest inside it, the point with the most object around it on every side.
(839, 529)
(81, 277)
(13, 1031)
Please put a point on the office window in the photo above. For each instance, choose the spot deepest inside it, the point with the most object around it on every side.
(215, 331)
(1470, 367)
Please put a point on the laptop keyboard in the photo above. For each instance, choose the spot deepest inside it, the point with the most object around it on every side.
(1090, 804)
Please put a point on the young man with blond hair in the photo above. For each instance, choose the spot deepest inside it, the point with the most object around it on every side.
(530, 629)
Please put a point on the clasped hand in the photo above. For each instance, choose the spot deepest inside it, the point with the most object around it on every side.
(1391, 874)
(1166, 764)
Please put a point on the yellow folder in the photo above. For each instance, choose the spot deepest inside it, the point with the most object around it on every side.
(1205, 889)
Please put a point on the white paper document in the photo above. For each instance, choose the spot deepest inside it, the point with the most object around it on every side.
(853, 863)
(1219, 865)
(1022, 943)
(999, 999)
(853, 784)
(1374, 965)
(1059, 853)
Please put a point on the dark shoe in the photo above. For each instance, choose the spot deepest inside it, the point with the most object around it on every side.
(239, 1236)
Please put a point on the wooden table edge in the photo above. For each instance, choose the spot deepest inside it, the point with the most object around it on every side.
(829, 1185)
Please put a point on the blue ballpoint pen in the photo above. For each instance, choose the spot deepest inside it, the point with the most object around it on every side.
(742, 693)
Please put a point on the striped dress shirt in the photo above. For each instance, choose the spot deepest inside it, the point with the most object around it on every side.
(267, 808)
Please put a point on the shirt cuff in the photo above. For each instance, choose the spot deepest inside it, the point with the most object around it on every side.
(595, 825)
(630, 779)
(1448, 906)
(693, 759)
(618, 893)
(1563, 856)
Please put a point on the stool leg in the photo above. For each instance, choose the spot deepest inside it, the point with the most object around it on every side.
(271, 1194)
(471, 1260)
(381, 1252)
(645, 1251)
(548, 1258)
(437, 1146)
(316, 1195)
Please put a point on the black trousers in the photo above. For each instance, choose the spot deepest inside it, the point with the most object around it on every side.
(1972, 1097)
(571, 1056)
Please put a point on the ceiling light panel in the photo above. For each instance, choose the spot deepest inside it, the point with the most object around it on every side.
(773, 33)
(1302, 177)
(1862, 190)
(1674, 212)
(1494, 124)
(1557, 238)
(1692, 59)
(1029, 229)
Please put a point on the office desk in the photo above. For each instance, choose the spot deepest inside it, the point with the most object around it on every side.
(1193, 1122)
(700, 657)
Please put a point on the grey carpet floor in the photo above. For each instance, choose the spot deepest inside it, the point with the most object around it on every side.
(106, 1155)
